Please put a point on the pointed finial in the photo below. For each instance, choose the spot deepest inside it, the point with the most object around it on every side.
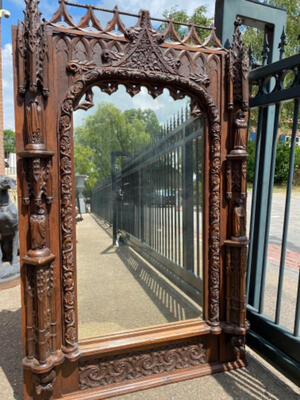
(266, 50)
(282, 44)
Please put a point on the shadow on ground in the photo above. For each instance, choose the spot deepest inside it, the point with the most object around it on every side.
(11, 352)
(173, 305)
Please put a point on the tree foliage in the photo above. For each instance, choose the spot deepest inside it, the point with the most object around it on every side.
(198, 18)
(281, 163)
(9, 141)
(110, 130)
(255, 37)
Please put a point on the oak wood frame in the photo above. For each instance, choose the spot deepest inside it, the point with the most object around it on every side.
(54, 67)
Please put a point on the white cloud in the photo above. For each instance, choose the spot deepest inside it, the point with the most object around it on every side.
(156, 7)
(7, 82)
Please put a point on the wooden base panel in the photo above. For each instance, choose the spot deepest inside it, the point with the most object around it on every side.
(153, 381)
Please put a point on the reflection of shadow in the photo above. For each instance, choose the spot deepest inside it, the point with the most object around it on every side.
(104, 225)
(107, 250)
(11, 351)
(174, 305)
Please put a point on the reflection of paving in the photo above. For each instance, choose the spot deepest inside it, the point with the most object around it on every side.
(118, 290)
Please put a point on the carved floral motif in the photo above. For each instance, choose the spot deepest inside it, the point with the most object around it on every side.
(107, 371)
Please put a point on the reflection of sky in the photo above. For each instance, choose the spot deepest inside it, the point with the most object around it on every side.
(164, 106)
(48, 7)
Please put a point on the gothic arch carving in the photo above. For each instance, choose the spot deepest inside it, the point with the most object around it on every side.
(86, 76)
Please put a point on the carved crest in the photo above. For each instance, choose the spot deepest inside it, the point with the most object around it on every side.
(144, 51)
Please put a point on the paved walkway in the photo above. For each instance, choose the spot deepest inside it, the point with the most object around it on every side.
(258, 381)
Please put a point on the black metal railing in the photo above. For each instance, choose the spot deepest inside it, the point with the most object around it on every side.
(271, 335)
(156, 202)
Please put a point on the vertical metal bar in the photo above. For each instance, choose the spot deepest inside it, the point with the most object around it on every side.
(297, 315)
(188, 212)
(165, 207)
(269, 208)
(150, 209)
(180, 205)
(159, 201)
(169, 216)
(161, 171)
(176, 201)
(172, 207)
(142, 236)
(287, 209)
(153, 201)
(114, 200)
(254, 194)
(197, 205)
(258, 233)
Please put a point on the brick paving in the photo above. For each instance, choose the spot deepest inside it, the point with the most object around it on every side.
(292, 258)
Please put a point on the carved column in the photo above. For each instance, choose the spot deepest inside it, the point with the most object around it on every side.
(41, 354)
(236, 244)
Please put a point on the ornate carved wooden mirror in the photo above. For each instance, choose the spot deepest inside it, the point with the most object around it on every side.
(57, 65)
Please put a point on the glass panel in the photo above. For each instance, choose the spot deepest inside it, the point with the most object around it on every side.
(138, 164)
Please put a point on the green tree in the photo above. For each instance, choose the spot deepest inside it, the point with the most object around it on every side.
(297, 167)
(85, 165)
(110, 130)
(198, 18)
(282, 163)
(255, 37)
(148, 117)
(9, 141)
(251, 160)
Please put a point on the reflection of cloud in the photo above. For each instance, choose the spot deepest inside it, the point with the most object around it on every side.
(143, 100)
(163, 106)
(7, 82)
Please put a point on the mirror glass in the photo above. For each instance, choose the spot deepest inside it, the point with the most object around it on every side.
(138, 166)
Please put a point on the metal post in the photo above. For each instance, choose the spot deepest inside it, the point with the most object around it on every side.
(188, 205)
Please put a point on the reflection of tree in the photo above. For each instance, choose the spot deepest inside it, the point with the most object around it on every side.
(111, 130)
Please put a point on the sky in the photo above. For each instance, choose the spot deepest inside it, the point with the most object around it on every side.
(48, 7)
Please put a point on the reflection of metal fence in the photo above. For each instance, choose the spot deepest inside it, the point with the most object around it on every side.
(268, 334)
(158, 202)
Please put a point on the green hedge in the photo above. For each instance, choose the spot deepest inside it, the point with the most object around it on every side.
(281, 166)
